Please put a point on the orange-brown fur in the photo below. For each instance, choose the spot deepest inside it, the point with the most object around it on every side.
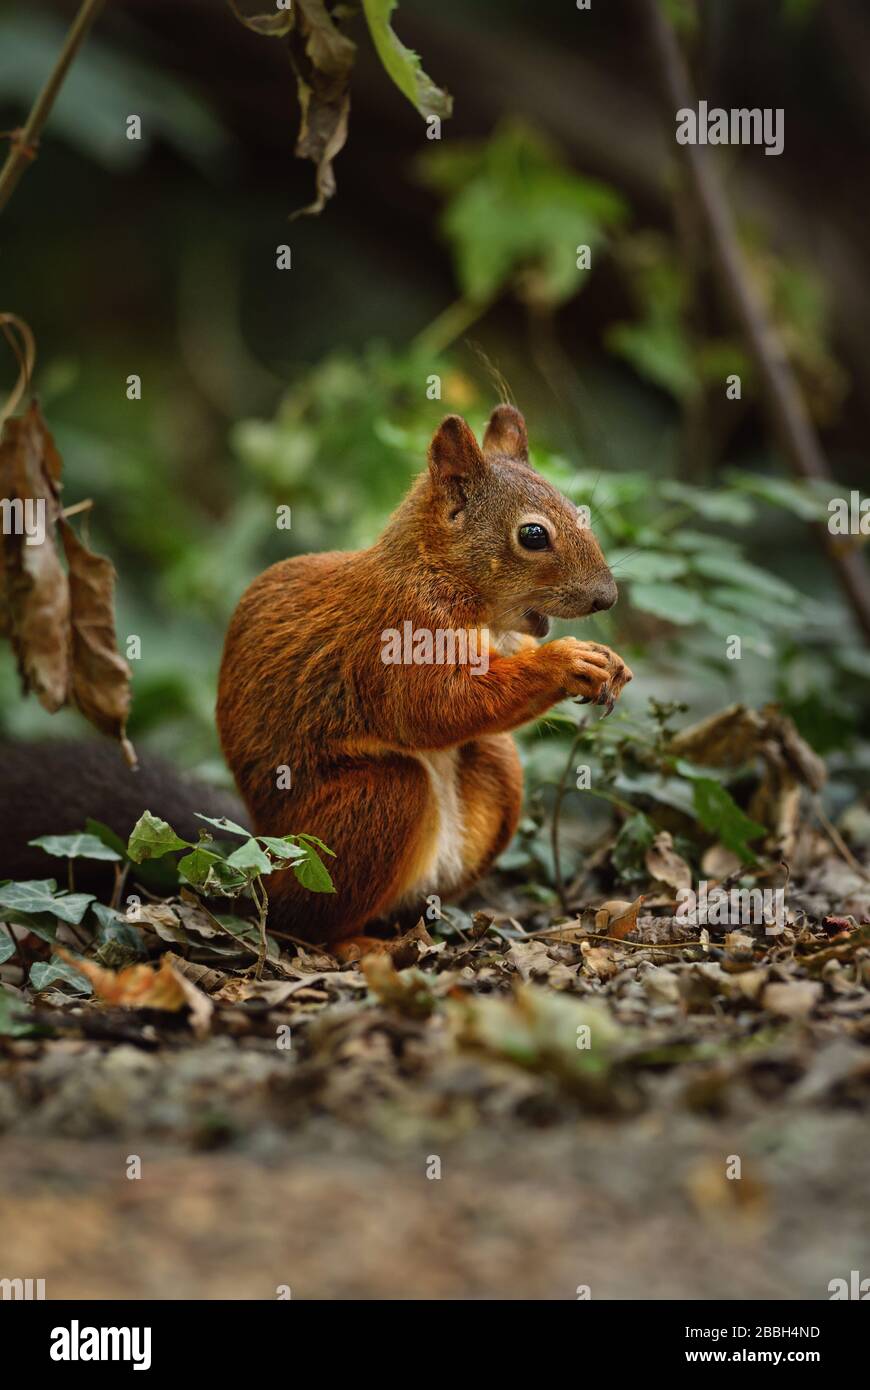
(303, 685)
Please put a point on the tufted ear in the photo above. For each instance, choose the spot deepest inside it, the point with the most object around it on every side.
(455, 460)
(506, 434)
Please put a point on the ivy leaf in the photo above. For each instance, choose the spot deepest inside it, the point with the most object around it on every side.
(313, 840)
(250, 859)
(312, 873)
(151, 838)
(402, 64)
(45, 973)
(284, 848)
(79, 846)
(208, 871)
(38, 896)
(223, 823)
(7, 945)
(719, 813)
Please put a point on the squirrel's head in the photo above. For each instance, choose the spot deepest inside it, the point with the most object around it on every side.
(506, 531)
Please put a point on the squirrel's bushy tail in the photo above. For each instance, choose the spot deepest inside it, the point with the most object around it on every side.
(54, 786)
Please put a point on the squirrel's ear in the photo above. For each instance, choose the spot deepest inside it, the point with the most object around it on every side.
(506, 434)
(454, 454)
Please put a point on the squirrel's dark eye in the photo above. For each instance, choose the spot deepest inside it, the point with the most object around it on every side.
(533, 537)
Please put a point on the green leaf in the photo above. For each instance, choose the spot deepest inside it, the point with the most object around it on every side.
(796, 498)
(313, 840)
(38, 895)
(152, 837)
(645, 566)
(45, 973)
(7, 945)
(668, 601)
(729, 507)
(516, 214)
(118, 942)
(283, 848)
(13, 1016)
(222, 823)
(659, 352)
(719, 813)
(741, 574)
(758, 608)
(210, 872)
(312, 873)
(79, 846)
(402, 64)
(107, 835)
(250, 859)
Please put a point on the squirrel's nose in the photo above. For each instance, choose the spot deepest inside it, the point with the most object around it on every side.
(604, 594)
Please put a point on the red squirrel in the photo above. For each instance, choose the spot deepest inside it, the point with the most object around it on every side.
(409, 771)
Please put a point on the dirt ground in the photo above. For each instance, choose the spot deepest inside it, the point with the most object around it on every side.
(634, 1208)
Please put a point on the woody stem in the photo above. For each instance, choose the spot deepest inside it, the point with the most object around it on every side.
(24, 142)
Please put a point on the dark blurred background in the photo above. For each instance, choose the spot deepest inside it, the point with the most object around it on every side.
(308, 387)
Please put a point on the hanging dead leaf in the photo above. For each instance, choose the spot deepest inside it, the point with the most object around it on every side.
(35, 596)
(322, 58)
(100, 675)
(60, 623)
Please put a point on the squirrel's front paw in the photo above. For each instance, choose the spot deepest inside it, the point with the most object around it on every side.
(592, 672)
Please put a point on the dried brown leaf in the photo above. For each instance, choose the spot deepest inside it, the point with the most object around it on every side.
(100, 675)
(35, 594)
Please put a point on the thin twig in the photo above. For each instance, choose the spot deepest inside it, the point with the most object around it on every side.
(25, 141)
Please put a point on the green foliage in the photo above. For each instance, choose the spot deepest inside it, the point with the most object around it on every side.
(37, 897)
(79, 846)
(43, 974)
(151, 838)
(515, 215)
(401, 63)
(658, 344)
(209, 869)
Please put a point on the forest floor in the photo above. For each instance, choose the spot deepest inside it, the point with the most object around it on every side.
(504, 1108)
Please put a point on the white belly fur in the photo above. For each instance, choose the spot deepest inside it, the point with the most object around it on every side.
(445, 868)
